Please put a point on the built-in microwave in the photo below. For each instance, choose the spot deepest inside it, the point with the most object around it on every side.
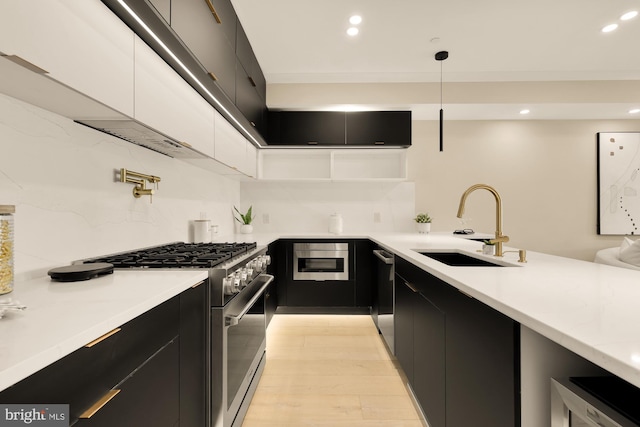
(321, 261)
(594, 402)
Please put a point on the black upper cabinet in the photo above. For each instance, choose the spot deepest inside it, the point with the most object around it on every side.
(379, 128)
(247, 99)
(306, 128)
(249, 62)
(370, 128)
(213, 44)
(251, 88)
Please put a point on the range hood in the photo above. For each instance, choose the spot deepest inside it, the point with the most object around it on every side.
(138, 133)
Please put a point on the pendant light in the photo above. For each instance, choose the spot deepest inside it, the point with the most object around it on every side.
(441, 56)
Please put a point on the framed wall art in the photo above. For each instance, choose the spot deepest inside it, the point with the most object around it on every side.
(619, 183)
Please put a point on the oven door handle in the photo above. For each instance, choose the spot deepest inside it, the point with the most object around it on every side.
(235, 318)
(382, 256)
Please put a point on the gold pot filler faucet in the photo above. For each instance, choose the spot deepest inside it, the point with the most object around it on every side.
(500, 238)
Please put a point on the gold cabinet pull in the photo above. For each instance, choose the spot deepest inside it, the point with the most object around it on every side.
(213, 11)
(26, 64)
(213, 76)
(103, 337)
(197, 284)
(99, 404)
(410, 286)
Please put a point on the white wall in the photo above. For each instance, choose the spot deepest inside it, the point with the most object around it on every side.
(294, 207)
(545, 172)
(69, 203)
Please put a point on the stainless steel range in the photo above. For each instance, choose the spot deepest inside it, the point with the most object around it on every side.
(238, 281)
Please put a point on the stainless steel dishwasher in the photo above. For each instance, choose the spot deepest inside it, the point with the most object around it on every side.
(382, 309)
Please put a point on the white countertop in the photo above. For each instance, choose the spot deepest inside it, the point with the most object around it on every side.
(64, 316)
(590, 309)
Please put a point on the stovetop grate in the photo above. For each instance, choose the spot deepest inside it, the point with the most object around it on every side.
(177, 255)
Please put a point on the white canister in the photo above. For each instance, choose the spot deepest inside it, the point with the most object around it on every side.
(202, 231)
(335, 223)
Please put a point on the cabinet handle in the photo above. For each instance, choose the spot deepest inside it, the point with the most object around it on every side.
(99, 404)
(378, 143)
(197, 284)
(26, 64)
(213, 77)
(213, 11)
(410, 286)
(103, 337)
(465, 294)
(312, 143)
(253, 83)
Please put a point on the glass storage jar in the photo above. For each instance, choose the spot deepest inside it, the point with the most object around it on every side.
(6, 248)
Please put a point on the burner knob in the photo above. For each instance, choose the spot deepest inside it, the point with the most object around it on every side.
(227, 284)
(243, 277)
(268, 259)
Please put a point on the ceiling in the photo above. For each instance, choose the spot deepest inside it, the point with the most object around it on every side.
(302, 42)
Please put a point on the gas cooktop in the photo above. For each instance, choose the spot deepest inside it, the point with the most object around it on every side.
(177, 255)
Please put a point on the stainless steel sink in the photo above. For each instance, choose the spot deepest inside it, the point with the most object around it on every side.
(459, 259)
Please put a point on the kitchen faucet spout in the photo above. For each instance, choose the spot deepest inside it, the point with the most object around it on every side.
(500, 238)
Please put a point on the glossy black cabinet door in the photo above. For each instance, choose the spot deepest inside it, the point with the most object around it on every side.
(482, 359)
(364, 272)
(248, 100)
(390, 128)
(307, 128)
(194, 350)
(429, 359)
(213, 44)
(404, 325)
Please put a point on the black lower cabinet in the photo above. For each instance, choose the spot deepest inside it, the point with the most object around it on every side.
(420, 348)
(460, 356)
(429, 359)
(194, 350)
(403, 318)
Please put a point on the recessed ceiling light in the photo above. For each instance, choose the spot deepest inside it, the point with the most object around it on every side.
(355, 19)
(525, 111)
(609, 28)
(629, 15)
(634, 111)
(353, 31)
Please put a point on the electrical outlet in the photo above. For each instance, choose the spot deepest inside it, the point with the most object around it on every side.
(376, 217)
(265, 218)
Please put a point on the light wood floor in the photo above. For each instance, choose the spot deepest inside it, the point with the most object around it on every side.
(329, 371)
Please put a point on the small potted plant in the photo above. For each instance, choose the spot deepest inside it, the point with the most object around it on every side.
(488, 247)
(245, 220)
(423, 223)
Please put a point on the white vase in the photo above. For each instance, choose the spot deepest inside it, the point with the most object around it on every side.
(423, 227)
(246, 229)
(488, 249)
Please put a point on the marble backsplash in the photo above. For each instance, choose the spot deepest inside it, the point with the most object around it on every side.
(283, 207)
(62, 177)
